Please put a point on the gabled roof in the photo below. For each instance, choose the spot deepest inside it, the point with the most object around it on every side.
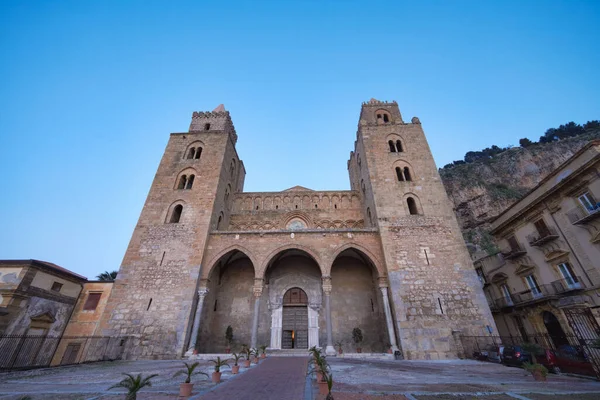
(43, 264)
(298, 188)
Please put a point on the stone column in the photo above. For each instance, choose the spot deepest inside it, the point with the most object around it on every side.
(388, 313)
(329, 350)
(257, 290)
(202, 292)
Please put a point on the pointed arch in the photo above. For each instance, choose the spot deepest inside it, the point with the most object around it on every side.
(205, 273)
(171, 215)
(369, 256)
(193, 151)
(272, 257)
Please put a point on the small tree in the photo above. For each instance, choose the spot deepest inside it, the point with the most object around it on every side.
(189, 371)
(229, 335)
(525, 142)
(133, 384)
(236, 358)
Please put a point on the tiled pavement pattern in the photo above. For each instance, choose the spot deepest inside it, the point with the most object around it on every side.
(275, 378)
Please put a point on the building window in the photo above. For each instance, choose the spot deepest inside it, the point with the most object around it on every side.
(182, 182)
(399, 174)
(91, 303)
(569, 276)
(392, 146)
(176, 215)
(386, 118)
(407, 176)
(194, 153)
(369, 216)
(481, 275)
(588, 202)
(533, 286)
(56, 286)
(519, 322)
(412, 206)
(513, 244)
(506, 294)
(206, 127)
(219, 222)
(198, 153)
(403, 174)
(542, 228)
(190, 182)
(399, 148)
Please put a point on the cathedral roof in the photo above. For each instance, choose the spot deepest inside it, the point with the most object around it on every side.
(298, 188)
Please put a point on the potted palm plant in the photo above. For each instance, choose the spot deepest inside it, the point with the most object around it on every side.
(133, 384)
(538, 371)
(263, 351)
(248, 354)
(216, 376)
(328, 377)
(255, 355)
(357, 336)
(339, 344)
(185, 389)
(228, 338)
(236, 368)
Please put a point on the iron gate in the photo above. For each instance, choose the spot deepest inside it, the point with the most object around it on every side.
(586, 329)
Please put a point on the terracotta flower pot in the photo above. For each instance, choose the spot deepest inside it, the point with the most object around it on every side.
(358, 350)
(216, 377)
(235, 369)
(185, 389)
(319, 376)
(195, 352)
(227, 350)
(390, 351)
(255, 360)
(538, 376)
(323, 388)
(263, 355)
(246, 363)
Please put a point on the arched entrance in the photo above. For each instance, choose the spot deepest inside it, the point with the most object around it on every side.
(555, 331)
(295, 320)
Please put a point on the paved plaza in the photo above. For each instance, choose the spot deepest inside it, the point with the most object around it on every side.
(283, 378)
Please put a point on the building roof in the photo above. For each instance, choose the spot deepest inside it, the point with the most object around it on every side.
(298, 188)
(560, 175)
(44, 265)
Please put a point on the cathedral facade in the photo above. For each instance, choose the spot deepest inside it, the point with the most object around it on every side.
(298, 268)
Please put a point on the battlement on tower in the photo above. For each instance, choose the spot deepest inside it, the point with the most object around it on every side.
(216, 120)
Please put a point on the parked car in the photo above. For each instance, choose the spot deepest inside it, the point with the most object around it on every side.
(572, 359)
(515, 356)
(491, 353)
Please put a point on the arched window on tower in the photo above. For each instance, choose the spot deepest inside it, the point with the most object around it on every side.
(369, 216)
(198, 153)
(182, 182)
(379, 116)
(399, 174)
(407, 176)
(392, 147)
(363, 187)
(399, 148)
(190, 182)
(191, 153)
(412, 206)
(206, 127)
(232, 168)
(219, 221)
(176, 214)
(386, 118)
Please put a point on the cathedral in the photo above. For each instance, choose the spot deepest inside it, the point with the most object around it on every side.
(298, 268)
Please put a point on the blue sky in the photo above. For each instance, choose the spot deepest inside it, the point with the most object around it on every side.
(91, 90)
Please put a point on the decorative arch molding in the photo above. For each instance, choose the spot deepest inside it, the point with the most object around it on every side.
(556, 255)
(186, 171)
(374, 260)
(205, 273)
(394, 137)
(194, 144)
(308, 221)
(499, 278)
(415, 197)
(260, 272)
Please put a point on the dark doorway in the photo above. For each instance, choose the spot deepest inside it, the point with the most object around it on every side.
(295, 320)
(555, 331)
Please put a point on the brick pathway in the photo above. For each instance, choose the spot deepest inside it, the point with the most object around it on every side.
(276, 378)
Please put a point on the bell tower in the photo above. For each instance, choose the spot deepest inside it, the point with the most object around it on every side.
(433, 285)
(156, 288)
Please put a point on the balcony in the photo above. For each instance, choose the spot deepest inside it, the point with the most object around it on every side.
(541, 238)
(503, 302)
(514, 251)
(568, 285)
(579, 216)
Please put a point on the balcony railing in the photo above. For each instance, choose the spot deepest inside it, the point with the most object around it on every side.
(579, 216)
(513, 252)
(503, 302)
(543, 237)
(568, 284)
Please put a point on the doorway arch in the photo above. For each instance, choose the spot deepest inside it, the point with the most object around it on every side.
(555, 330)
(295, 319)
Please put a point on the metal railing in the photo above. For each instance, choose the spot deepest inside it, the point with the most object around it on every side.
(23, 352)
(578, 215)
(568, 284)
(513, 252)
(540, 238)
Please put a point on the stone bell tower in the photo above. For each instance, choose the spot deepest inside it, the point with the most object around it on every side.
(432, 282)
(156, 289)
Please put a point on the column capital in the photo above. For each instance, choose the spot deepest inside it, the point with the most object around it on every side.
(327, 287)
(383, 282)
(257, 289)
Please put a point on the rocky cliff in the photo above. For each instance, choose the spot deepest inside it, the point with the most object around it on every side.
(481, 190)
